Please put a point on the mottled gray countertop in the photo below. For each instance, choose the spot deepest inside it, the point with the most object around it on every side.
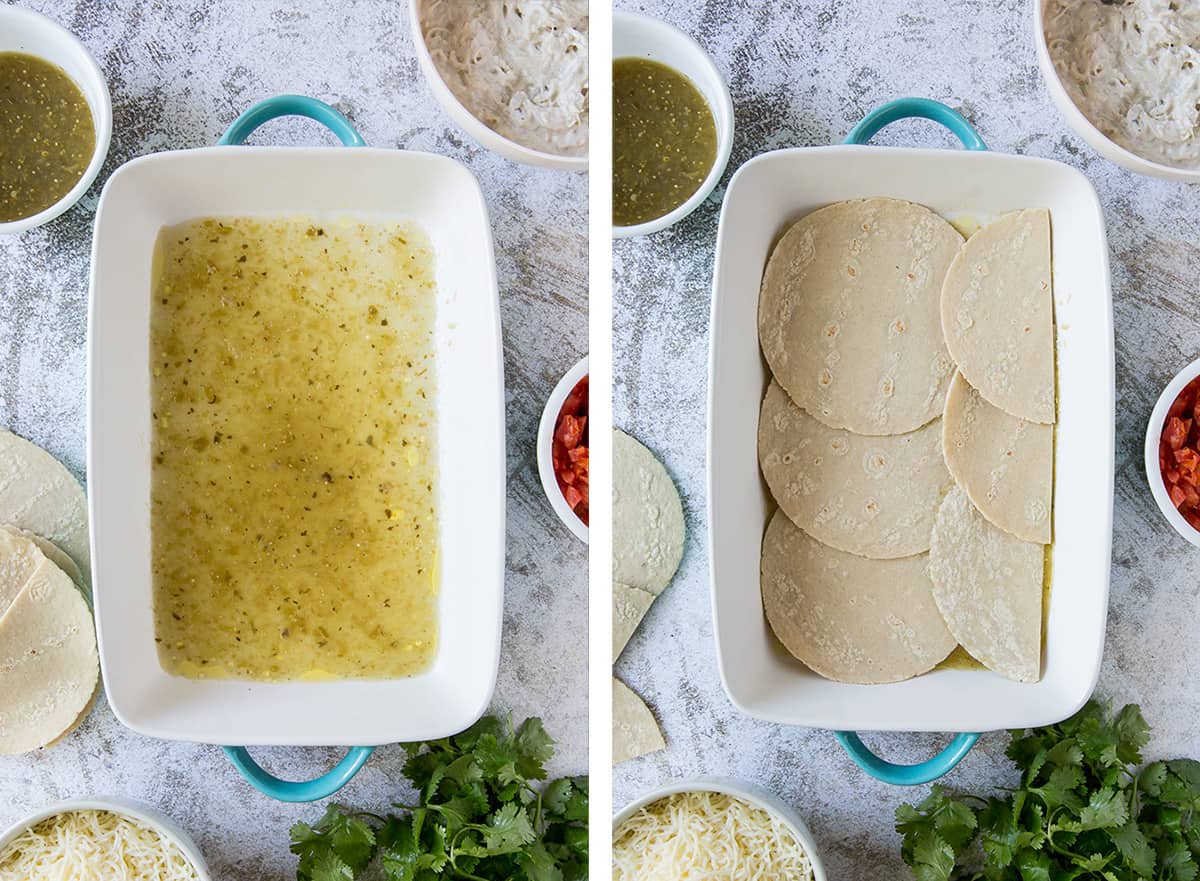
(179, 73)
(803, 73)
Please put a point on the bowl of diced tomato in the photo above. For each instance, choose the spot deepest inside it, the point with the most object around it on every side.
(1173, 452)
(562, 451)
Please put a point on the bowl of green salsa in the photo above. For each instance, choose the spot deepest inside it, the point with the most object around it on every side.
(672, 125)
(55, 119)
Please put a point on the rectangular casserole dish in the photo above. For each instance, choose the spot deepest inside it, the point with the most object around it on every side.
(444, 198)
(765, 196)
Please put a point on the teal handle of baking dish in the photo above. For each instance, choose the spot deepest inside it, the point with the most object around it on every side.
(907, 775)
(922, 108)
(342, 773)
(943, 762)
(291, 105)
(299, 790)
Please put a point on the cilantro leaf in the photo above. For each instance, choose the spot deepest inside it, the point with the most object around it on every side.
(932, 858)
(1104, 810)
(1082, 810)
(478, 815)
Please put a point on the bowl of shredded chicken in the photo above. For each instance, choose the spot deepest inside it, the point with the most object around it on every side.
(1126, 76)
(716, 830)
(512, 73)
(90, 839)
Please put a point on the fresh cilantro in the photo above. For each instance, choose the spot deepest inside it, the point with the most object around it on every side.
(1082, 811)
(479, 817)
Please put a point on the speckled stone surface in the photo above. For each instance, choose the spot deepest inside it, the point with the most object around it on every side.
(179, 73)
(803, 73)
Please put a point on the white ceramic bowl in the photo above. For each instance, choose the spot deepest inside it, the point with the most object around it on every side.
(640, 36)
(544, 442)
(22, 30)
(1154, 427)
(468, 122)
(747, 792)
(159, 822)
(1083, 127)
(767, 194)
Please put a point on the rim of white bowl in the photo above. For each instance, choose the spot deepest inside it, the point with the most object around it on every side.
(751, 793)
(724, 133)
(480, 132)
(545, 460)
(144, 814)
(1158, 418)
(1083, 126)
(101, 115)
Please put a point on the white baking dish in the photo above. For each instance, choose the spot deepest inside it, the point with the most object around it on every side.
(764, 197)
(444, 198)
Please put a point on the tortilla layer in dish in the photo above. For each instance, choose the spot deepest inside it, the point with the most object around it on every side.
(988, 586)
(871, 496)
(1004, 464)
(998, 314)
(848, 618)
(49, 667)
(647, 518)
(38, 493)
(629, 606)
(848, 316)
(635, 733)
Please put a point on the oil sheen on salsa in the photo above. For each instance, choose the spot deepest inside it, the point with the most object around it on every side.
(293, 518)
(47, 135)
(664, 140)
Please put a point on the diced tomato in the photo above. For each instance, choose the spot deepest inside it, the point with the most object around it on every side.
(570, 449)
(1179, 453)
(1175, 432)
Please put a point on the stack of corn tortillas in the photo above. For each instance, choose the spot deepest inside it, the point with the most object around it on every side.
(907, 437)
(648, 539)
(49, 669)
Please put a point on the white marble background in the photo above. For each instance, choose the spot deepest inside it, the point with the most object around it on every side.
(803, 72)
(179, 73)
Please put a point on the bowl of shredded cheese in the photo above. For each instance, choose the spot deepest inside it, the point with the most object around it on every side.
(1125, 75)
(716, 829)
(513, 74)
(100, 838)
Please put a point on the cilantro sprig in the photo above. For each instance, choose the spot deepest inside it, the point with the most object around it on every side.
(481, 815)
(1083, 810)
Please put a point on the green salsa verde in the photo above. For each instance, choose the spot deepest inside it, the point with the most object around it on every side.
(47, 135)
(664, 140)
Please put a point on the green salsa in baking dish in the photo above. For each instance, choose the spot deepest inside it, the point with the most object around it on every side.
(294, 529)
(664, 140)
(47, 135)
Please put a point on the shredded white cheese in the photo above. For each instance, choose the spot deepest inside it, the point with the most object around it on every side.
(706, 836)
(93, 846)
(519, 66)
(1133, 68)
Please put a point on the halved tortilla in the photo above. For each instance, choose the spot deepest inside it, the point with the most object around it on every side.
(629, 606)
(49, 666)
(635, 733)
(38, 493)
(1005, 465)
(20, 556)
(871, 496)
(647, 517)
(988, 587)
(53, 553)
(848, 618)
(848, 315)
(998, 314)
